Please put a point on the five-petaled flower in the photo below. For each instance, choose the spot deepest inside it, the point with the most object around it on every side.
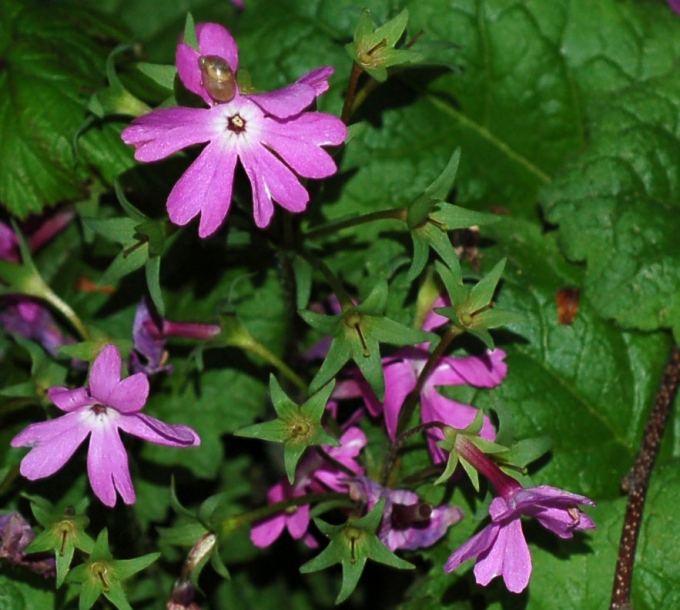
(107, 405)
(407, 523)
(500, 547)
(270, 133)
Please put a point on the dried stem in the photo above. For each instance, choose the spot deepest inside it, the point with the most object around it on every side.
(636, 482)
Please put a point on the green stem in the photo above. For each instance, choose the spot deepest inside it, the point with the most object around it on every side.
(338, 464)
(255, 347)
(232, 523)
(333, 281)
(332, 227)
(65, 311)
(396, 445)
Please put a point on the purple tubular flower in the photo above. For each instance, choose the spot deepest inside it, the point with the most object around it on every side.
(501, 549)
(314, 475)
(150, 333)
(109, 404)
(675, 5)
(149, 342)
(16, 533)
(23, 315)
(271, 135)
(407, 523)
(29, 318)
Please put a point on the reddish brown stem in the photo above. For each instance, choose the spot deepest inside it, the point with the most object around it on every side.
(636, 482)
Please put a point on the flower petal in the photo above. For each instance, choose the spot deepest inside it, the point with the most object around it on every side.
(107, 465)
(214, 39)
(479, 543)
(105, 373)
(517, 560)
(189, 70)
(155, 431)
(318, 79)
(293, 99)
(129, 396)
(400, 379)
(165, 131)
(298, 142)
(57, 440)
(205, 188)
(485, 371)
(263, 533)
(70, 400)
(271, 179)
(286, 102)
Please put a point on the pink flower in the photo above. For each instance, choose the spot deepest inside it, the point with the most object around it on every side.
(314, 475)
(109, 404)
(407, 523)
(16, 534)
(269, 133)
(150, 333)
(501, 549)
(401, 375)
(23, 315)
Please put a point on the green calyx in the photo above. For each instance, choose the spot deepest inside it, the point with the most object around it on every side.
(357, 333)
(297, 427)
(351, 545)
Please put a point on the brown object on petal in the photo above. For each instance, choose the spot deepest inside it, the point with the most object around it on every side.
(567, 300)
(218, 79)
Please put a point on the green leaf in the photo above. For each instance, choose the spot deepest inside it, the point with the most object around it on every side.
(53, 56)
(618, 203)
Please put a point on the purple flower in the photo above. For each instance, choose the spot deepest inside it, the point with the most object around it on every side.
(675, 5)
(501, 549)
(23, 315)
(107, 405)
(314, 474)
(28, 317)
(269, 133)
(407, 523)
(150, 333)
(401, 375)
(16, 533)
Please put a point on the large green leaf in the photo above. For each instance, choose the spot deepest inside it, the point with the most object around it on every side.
(52, 60)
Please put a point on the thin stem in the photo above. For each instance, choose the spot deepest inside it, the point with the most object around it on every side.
(348, 107)
(234, 522)
(337, 463)
(636, 482)
(412, 399)
(66, 311)
(388, 464)
(333, 227)
(255, 347)
(334, 282)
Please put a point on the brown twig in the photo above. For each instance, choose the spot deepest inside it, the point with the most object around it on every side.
(636, 482)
